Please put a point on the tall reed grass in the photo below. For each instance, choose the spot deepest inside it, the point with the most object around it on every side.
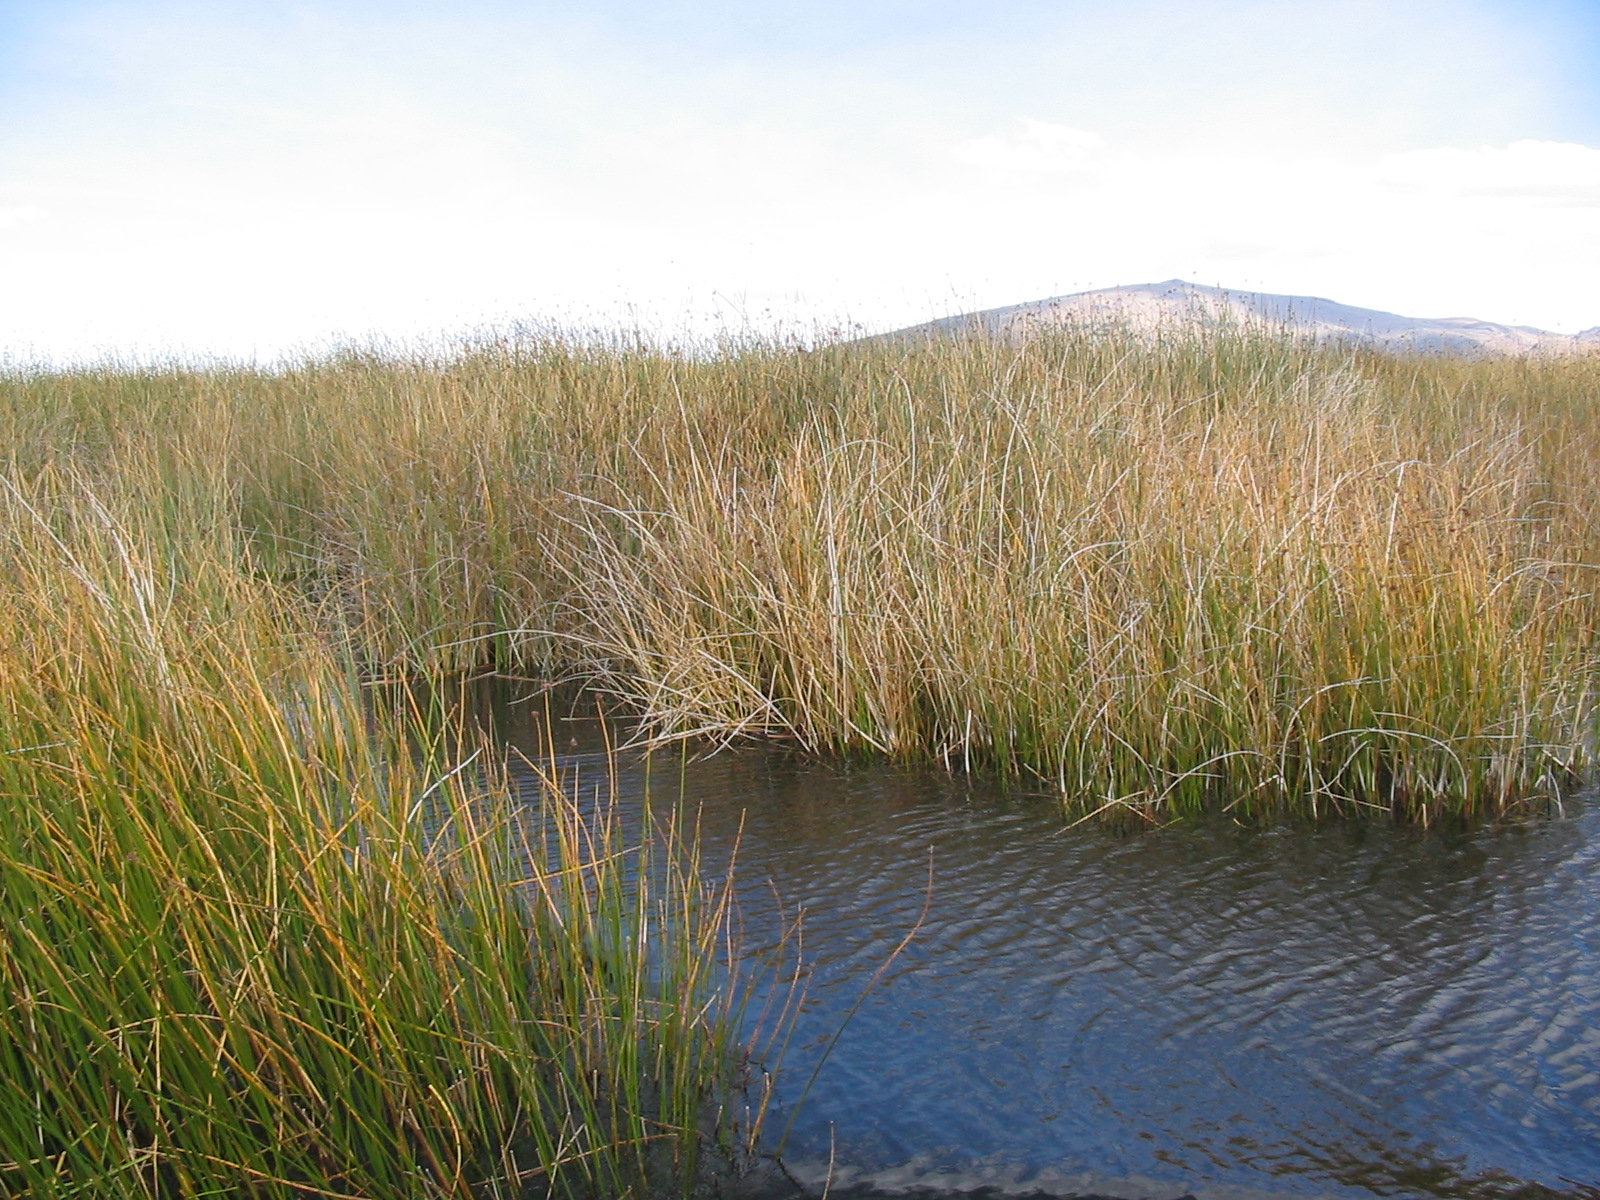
(262, 935)
(1228, 570)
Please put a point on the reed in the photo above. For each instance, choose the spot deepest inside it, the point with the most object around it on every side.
(1164, 574)
(265, 936)
(1281, 588)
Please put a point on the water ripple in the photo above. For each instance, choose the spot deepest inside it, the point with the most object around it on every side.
(1214, 1010)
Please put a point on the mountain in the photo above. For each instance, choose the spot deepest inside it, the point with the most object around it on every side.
(1177, 304)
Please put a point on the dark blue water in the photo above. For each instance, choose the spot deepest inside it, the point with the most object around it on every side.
(1214, 1010)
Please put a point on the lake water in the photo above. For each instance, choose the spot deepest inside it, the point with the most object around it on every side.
(1213, 1010)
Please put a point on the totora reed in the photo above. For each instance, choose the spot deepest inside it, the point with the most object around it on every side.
(1229, 571)
(1223, 571)
(270, 932)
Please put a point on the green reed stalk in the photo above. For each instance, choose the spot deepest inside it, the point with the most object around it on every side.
(262, 938)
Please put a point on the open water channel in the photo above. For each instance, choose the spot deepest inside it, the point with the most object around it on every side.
(1212, 1010)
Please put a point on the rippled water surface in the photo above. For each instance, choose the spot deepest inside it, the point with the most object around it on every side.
(1214, 1010)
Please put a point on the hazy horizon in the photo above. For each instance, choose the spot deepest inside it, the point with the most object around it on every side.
(256, 178)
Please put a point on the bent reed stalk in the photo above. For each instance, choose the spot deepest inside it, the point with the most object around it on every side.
(1165, 574)
(264, 938)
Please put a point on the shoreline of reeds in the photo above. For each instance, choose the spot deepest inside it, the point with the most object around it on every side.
(261, 939)
(1205, 571)
(1164, 573)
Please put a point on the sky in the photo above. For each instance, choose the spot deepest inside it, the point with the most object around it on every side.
(246, 179)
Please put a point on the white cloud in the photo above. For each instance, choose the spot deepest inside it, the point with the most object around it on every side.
(22, 214)
(1037, 146)
(1563, 172)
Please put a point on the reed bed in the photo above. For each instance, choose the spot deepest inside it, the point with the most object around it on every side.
(267, 933)
(1162, 574)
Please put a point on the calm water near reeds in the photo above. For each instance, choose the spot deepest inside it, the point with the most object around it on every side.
(1213, 1010)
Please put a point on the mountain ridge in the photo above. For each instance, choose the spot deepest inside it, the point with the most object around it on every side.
(1178, 304)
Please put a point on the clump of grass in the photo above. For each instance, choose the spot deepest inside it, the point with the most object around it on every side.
(264, 938)
(1251, 576)
(1223, 570)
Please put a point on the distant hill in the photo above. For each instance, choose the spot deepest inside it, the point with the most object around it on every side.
(1177, 304)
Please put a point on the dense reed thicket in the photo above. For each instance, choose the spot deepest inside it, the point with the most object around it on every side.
(264, 933)
(1223, 570)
